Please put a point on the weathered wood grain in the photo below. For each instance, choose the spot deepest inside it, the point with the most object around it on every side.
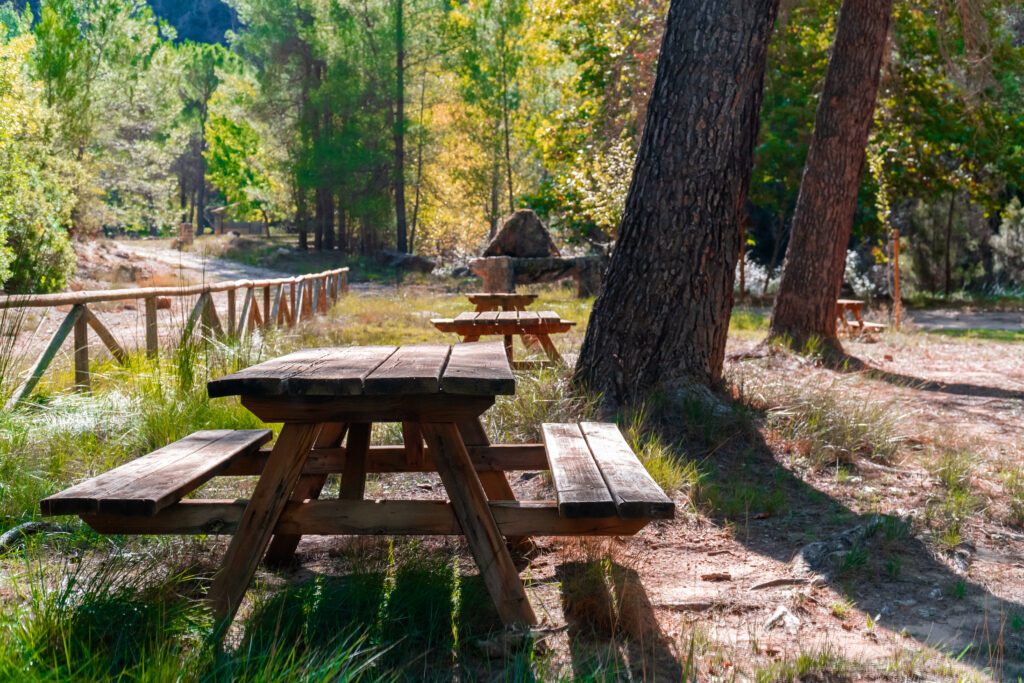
(364, 517)
(152, 482)
(266, 379)
(340, 372)
(412, 369)
(579, 486)
(635, 492)
(478, 369)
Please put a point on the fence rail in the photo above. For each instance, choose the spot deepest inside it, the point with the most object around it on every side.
(285, 301)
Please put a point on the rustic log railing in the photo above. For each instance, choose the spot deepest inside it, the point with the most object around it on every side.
(285, 301)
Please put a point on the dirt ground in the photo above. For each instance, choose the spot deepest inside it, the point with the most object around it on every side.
(741, 593)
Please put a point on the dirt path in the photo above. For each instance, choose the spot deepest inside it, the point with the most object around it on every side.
(202, 267)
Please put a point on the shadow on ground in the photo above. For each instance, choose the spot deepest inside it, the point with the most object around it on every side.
(878, 561)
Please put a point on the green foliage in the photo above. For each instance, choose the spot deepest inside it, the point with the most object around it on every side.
(35, 204)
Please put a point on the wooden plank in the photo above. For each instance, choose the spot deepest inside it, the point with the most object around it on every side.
(364, 517)
(495, 482)
(486, 318)
(106, 337)
(469, 503)
(402, 408)
(282, 547)
(467, 317)
(412, 369)
(478, 369)
(551, 318)
(341, 372)
(508, 317)
(232, 317)
(245, 319)
(82, 350)
(443, 324)
(211, 321)
(635, 492)
(152, 336)
(579, 486)
(260, 517)
(528, 318)
(154, 481)
(275, 313)
(268, 378)
(353, 478)
(412, 439)
(503, 457)
(45, 358)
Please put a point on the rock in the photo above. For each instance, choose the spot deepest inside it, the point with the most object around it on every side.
(496, 272)
(782, 616)
(163, 302)
(15, 536)
(462, 271)
(523, 235)
(503, 273)
(405, 262)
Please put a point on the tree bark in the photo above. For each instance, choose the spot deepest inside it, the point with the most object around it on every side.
(949, 243)
(399, 170)
(662, 316)
(812, 273)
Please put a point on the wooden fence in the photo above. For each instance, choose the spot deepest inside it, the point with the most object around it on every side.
(285, 301)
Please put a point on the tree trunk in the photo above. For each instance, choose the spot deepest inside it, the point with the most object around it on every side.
(949, 243)
(419, 166)
(662, 316)
(301, 216)
(399, 169)
(495, 178)
(812, 273)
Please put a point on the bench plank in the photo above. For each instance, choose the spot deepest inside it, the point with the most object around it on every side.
(580, 489)
(154, 481)
(635, 492)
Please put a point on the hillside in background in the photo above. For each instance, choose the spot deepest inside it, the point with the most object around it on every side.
(203, 21)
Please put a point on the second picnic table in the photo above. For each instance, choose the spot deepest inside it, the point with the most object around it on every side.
(539, 325)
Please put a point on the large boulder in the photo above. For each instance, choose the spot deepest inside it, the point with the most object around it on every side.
(523, 235)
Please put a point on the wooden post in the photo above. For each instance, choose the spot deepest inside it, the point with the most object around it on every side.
(105, 336)
(266, 306)
(244, 321)
(81, 350)
(152, 339)
(897, 305)
(292, 310)
(44, 359)
(231, 313)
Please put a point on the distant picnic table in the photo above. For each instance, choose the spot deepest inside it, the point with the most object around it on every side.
(488, 301)
(324, 396)
(529, 325)
(854, 307)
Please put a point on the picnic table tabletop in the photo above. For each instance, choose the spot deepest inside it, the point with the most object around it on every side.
(506, 301)
(412, 369)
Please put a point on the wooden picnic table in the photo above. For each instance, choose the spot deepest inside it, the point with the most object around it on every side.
(326, 396)
(854, 307)
(487, 301)
(528, 325)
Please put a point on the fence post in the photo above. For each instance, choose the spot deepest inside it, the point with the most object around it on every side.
(231, 312)
(81, 350)
(152, 339)
(266, 306)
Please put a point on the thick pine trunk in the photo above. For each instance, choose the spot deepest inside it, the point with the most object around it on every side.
(812, 273)
(661, 318)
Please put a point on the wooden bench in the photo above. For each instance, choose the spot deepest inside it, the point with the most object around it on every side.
(153, 482)
(596, 474)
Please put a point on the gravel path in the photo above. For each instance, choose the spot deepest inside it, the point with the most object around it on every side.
(209, 267)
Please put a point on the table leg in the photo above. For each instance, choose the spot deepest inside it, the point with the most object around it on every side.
(469, 502)
(495, 483)
(549, 348)
(412, 437)
(353, 477)
(508, 347)
(281, 473)
(471, 338)
(282, 547)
